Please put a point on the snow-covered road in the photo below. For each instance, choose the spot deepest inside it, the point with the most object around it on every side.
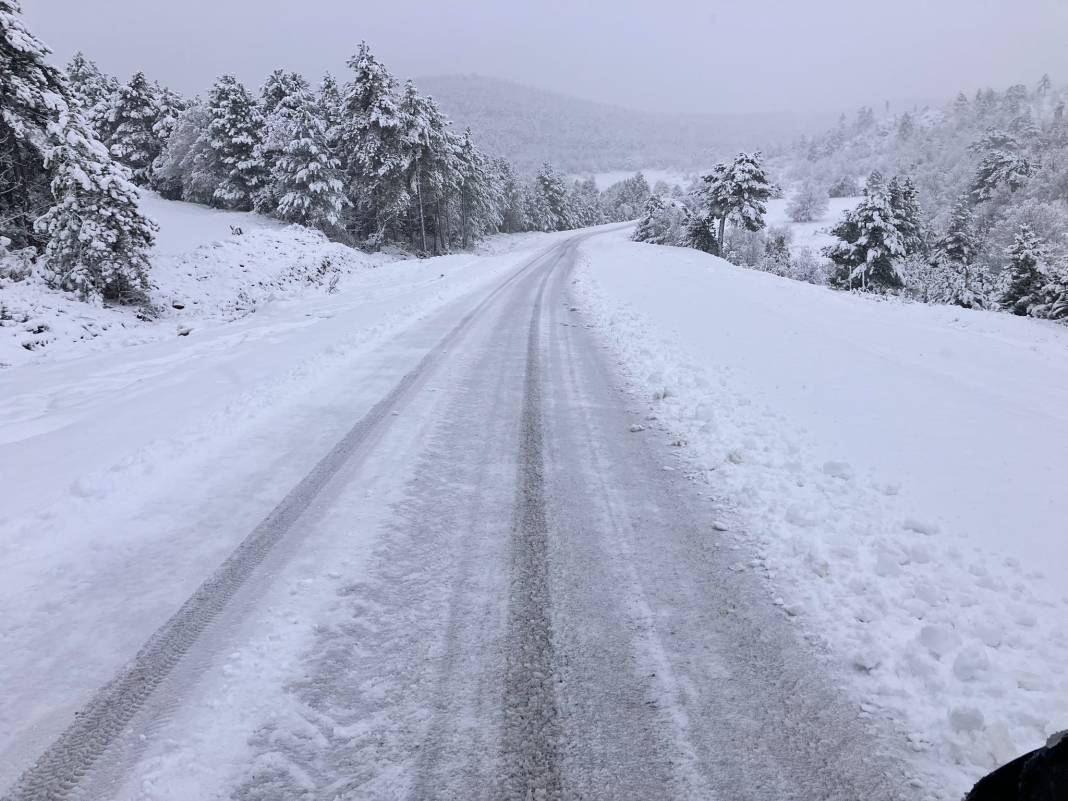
(476, 582)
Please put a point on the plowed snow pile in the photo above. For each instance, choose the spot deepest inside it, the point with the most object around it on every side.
(900, 470)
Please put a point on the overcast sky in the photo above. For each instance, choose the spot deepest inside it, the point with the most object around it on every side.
(701, 55)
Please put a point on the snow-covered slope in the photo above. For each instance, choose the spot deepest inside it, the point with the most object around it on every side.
(209, 268)
(900, 474)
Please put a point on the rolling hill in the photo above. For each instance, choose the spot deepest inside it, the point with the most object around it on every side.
(530, 126)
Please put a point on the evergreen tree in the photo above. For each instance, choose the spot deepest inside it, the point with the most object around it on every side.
(701, 231)
(586, 203)
(625, 200)
(959, 244)
(1024, 282)
(479, 197)
(962, 282)
(233, 138)
(306, 176)
(513, 210)
(329, 100)
(905, 127)
(1054, 304)
(88, 85)
(908, 217)
(187, 168)
(372, 147)
(283, 97)
(737, 193)
(1000, 168)
(869, 246)
(31, 97)
(134, 141)
(431, 169)
(282, 88)
(171, 105)
(92, 91)
(552, 207)
(663, 222)
(98, 241)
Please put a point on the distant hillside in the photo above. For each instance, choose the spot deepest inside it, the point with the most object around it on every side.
(530, 126)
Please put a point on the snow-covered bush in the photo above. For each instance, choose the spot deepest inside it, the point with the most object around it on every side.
(844, 187)
(809, 203)
(663, 222)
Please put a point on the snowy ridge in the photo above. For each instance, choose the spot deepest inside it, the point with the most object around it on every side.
(945, 628)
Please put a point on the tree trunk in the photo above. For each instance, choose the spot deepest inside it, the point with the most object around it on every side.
(422, 220)
(463, 217)
(720, 235)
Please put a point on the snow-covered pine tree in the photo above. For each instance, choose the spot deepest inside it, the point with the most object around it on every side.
(869, 246)
(663, 222)
(625, 199)
(909, 218)
(171, 109)
(1024, 282)
(961, 282)
(88, 85)
(586, 203)
(479, 194)
(371, 145)
(186, 168)
(92, 91)
(306, 177)
(513, 211)
(171, 105)
(552, 202)
(98, 240)
(31, 96)
(234, 134)
(329, 100)
(1054, 304)
(134, 141)
(701, 231)
(283, 88)
(282, 96)
(999, 167)
(419, 146)
(905, 127)
(737, 193)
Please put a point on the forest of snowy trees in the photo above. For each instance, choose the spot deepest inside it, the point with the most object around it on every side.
(974, 213)
(369, 162)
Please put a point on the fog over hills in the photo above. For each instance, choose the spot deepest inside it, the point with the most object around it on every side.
(529, 126)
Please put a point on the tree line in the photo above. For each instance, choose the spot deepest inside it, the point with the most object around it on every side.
(1001, 244)
(370, 162)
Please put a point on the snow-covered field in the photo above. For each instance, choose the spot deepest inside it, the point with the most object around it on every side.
(899, 474)
(813, 235)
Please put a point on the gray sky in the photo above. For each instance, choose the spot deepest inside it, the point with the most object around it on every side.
(699, 55)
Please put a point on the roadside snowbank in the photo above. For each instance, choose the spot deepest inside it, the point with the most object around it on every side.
(900, 470)
(204, 275)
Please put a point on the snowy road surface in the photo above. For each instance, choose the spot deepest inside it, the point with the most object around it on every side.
(476, 583)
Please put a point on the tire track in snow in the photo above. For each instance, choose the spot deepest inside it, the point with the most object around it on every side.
(58, 772)
(530, 746)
